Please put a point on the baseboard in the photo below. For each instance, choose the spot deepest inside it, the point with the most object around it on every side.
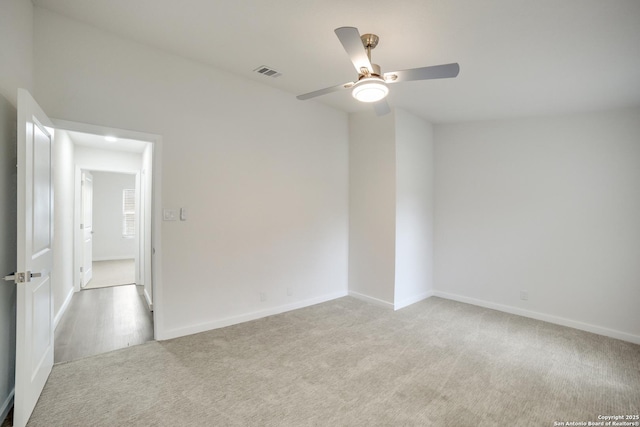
(371, 300)
(6, 405)
(113, 258)
(63, 308)
(147, 298)
(412, 300)
(233, 320)
(542, 316)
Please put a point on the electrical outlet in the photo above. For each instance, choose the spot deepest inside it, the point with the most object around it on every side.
(263, 296)
(524, 295)
(289, 291)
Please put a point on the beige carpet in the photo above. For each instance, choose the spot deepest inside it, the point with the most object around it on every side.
(349, 363)
(112, 273)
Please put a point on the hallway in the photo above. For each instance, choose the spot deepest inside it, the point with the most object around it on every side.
(102, 320)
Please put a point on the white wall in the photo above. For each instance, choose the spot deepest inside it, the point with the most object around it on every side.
(16, 65)
(372, 195)
(391, 208)
(108, 243)
(263, 175)
(16, 48)
(64, 175)
(546, 205)
(414, 209)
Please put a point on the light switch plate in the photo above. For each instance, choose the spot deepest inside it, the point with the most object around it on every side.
(169, 215)
(183, 214)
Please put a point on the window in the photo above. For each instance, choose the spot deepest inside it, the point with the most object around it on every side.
(128, 213)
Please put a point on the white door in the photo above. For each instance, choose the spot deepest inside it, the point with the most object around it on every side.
(34, 311)
(87, 227)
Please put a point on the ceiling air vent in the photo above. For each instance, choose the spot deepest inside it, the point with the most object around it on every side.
(267, 71)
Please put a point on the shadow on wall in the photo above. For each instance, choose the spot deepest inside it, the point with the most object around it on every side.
(8, 182)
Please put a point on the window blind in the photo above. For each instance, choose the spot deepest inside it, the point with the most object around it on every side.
(128, 213)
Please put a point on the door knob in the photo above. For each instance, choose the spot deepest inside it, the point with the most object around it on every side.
(21, 277)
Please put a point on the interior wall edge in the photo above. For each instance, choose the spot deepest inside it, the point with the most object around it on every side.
(562, 321)
(148, 300)
(166, 334)
(63, 308)
(412, 300)
(372, 300)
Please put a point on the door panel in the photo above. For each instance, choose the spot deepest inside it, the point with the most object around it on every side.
(34, 310)
(41, 313)
(41, 191)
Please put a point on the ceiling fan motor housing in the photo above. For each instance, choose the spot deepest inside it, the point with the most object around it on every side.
(366, 73)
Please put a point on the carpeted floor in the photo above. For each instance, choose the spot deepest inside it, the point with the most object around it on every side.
(349, 363)
(112, 273)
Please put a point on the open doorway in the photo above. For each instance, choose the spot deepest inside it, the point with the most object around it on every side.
(110, 303)
(109, 218)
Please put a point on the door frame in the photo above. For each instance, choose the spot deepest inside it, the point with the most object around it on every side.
(82, 228)
(150, 257)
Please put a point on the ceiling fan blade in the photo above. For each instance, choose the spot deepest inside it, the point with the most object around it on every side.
(350, 39)
(425, 73)
(324, 91)
(381, 107)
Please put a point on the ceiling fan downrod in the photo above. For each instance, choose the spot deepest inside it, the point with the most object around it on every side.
(369, 41)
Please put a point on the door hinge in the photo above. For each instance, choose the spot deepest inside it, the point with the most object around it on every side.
(81, 226)
(21, 277)
(81, 269)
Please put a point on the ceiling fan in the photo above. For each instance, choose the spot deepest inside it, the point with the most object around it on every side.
(371, 85)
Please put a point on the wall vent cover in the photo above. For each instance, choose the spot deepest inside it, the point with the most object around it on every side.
(267, 71)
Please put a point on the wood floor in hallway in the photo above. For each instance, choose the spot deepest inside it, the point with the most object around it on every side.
(112, 273)
(102, 320)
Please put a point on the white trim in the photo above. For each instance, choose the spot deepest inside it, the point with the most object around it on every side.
(148, 300)
(7, 405)
(544, 317)
(78, 280)
(113, 258)
(233, 320)
(63, 308)
(371, 300)
(155, 276)
(106, 130)
(412, 300)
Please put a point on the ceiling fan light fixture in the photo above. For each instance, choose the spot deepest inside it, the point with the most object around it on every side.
(370, 89)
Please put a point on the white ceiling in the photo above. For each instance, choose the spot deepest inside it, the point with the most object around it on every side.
(517, 57)
(99, 141)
